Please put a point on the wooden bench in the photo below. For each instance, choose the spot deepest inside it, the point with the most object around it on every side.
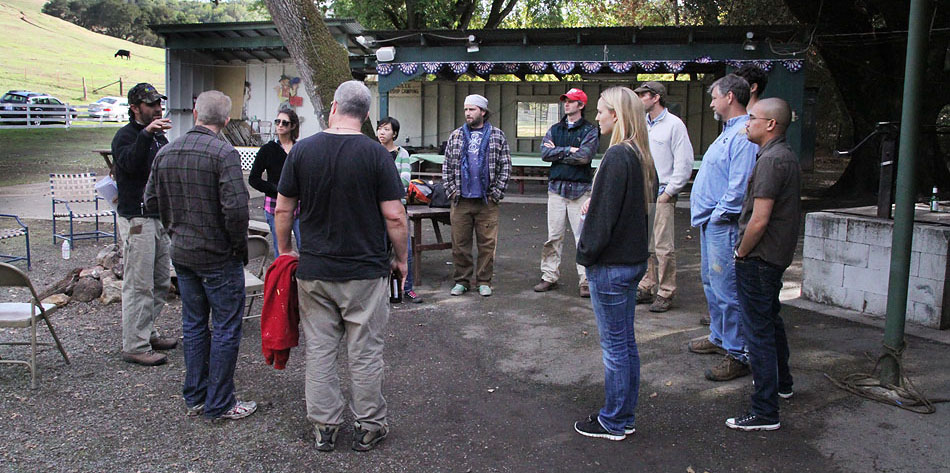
(418, 213)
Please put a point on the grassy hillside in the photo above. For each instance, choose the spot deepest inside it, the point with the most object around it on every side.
(45, 54)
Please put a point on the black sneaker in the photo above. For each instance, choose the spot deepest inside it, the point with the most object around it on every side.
(366, 440)
(590, 427)
(750, 422)
(325, 436)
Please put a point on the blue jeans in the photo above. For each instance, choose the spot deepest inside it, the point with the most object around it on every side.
(273, 231)
(613, 293)
(717, 243)
(210, 357)
(759, 286)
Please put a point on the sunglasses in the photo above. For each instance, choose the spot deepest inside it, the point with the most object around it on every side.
(282, 122)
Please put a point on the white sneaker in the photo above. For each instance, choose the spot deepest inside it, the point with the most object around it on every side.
(240, 410)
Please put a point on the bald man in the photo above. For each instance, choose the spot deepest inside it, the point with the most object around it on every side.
(768, 234)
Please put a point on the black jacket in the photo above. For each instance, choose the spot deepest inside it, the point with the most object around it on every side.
(133, 150)
(615, 228)
(269, 158)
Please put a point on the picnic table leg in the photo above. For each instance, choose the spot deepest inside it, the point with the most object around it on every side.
(416, 252)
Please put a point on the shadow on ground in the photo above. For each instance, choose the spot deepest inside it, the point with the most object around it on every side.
(473, 385)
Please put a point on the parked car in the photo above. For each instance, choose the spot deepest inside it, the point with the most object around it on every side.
(110, 108)
(43, 109)
(15, 101)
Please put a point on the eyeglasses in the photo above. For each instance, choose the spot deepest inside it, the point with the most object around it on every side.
(761, 118)
(280, 122)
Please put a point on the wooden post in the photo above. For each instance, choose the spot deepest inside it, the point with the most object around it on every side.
(120, 87)
(84, 89)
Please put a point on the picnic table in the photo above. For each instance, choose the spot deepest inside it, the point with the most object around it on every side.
(106, 155)
(418, 213)
(520, 164)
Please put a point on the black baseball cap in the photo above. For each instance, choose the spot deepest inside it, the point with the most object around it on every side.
(144, 93)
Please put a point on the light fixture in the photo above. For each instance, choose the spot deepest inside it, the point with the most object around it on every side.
(472, 45)
(386, 54)
(366, 41)
(748, 45)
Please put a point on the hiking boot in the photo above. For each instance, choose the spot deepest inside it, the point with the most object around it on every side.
(366, 440)
(458, 290)
(145, 358)
(411, 296)
(750, 422)
(661, 304)
(585, 291)
(163, 343)
(544, 286)
(590, 427)
(325, 436)
(704, 319)
(484, 290)
(703, 346)
(644, 297)
(240, 410)
(195, 411)
(728, 368)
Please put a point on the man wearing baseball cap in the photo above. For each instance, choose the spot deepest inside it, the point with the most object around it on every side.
(569, 145)
(145, 254)
(673, 158)
(475, 174)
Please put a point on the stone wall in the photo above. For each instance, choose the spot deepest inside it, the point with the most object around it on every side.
(846, 262)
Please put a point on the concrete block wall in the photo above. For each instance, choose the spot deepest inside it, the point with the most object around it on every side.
(846, 263)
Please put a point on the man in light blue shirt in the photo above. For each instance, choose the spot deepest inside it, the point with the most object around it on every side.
(715, 204)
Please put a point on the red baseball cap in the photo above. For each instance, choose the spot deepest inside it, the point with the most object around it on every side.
(576, 95)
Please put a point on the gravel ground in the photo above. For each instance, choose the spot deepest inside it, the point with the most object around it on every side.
(473, 385)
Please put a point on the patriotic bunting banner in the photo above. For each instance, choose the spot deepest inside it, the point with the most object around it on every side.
(587, 67)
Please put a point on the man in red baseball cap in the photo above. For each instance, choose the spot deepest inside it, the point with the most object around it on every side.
(569, 146)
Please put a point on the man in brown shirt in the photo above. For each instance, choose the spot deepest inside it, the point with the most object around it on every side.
(768, 234)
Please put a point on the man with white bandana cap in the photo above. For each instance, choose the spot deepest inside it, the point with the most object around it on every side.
(475, 174)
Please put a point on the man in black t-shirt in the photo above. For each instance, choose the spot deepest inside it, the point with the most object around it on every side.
(350, 202)
(768, 234)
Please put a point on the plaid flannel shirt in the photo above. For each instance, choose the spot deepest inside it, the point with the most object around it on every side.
(197, 188)
(498, 159)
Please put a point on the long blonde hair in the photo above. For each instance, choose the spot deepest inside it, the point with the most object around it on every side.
(631, 130)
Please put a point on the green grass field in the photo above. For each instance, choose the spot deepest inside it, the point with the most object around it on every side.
(45, 54)
(29, 155)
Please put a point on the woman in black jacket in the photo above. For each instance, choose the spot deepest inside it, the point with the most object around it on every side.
(270, 158)
(614, 248)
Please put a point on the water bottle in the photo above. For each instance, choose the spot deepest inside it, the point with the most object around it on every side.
(395, 292)
(934, 204)
(66, 249)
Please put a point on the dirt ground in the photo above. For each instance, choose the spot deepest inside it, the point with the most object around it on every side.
(473, 385)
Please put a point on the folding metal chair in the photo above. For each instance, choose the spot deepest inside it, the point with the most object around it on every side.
(257, 250)
(26, 315)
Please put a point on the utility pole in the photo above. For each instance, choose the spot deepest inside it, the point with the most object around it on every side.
(920, 13)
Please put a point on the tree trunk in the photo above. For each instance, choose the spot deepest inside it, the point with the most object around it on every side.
(322, 62)
(868, 70)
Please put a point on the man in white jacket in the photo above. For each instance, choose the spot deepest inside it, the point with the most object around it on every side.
(673, 158)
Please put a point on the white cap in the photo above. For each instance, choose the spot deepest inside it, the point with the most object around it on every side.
(477, 100)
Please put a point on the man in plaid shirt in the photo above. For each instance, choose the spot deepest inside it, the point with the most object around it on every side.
(475, 174)
(197, 188)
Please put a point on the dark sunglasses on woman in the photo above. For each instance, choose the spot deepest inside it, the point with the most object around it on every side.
(281, 122)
